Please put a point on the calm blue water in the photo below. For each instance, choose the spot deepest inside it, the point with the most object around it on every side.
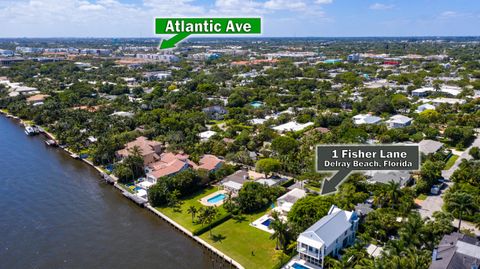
(56, 213)
(217, 198)
(267, 222)
(299, 266)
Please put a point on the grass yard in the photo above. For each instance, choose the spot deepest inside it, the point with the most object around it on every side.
(181, 216)
(248, 245)
(422, 197)
(450, 162)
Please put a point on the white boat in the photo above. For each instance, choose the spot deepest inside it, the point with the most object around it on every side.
(51, 143)
(29, 130)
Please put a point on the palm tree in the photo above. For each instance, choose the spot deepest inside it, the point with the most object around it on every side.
(389, 194)
(280, 231)
(461, 202)
(135, 161)
(411, 230)
(393, 192)
(192, 210)
(208, 215)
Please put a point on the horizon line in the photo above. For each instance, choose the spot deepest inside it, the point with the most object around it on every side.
(249, 37)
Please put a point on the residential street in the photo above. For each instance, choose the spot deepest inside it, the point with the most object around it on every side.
(435, 202)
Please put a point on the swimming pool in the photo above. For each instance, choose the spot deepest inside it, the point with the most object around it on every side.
(256, 104)
(299, 266)
(267, 222)
(217, 198)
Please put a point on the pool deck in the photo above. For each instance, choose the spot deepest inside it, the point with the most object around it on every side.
(299, 264)
(204, 201)
(258, 223)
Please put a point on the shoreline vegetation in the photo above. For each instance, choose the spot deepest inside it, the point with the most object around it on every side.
(104, 175)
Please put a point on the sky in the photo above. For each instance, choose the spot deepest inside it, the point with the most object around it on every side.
(280, 18)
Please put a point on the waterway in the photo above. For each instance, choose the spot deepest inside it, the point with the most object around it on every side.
(55, 212)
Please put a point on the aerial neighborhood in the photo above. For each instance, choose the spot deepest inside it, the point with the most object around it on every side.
(218, 139)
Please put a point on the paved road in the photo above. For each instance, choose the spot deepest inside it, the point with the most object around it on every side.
(435, 202)
(448, 173)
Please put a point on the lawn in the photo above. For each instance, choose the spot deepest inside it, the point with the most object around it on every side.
(248, 245)
(181, 216)
(450, 161)
(422, 197)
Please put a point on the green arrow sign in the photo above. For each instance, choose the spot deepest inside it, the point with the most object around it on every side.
(183, 27)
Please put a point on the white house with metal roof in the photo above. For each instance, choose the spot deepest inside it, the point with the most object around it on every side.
(366, 119)
(399, 121)
(327, 236)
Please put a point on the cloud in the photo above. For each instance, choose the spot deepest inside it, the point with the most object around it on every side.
(322, 2)
(380, 6)
(101, 18)
(285, 4)
(449, 14)
(237, 7)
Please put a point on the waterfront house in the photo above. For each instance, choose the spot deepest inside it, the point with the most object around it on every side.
(327, 236)
(399, 121)
(286, 201)
(168, 164)
(37, 99)
(234, 182)
(209, 162)
(149, 149)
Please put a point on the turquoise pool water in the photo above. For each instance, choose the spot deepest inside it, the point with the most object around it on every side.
(217, 198)
(299, 266)
(256, 104)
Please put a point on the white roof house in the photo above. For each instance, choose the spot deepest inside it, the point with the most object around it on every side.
(451, 90)
(447, 89)
(374, 250)
(450, 101)
(421, 92)
(292, 126)
(267, 181)
(204, 136)
(398, 121)
(257, 121)
(122, 114)
(366, 119)
(424, 107)
(327, 236)
(232, 186)
(286, 201)
(427, 146)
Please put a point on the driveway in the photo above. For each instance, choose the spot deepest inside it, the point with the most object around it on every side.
(448, 173)
(435, 202)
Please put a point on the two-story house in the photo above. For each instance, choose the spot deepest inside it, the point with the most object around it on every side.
(327, 236)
